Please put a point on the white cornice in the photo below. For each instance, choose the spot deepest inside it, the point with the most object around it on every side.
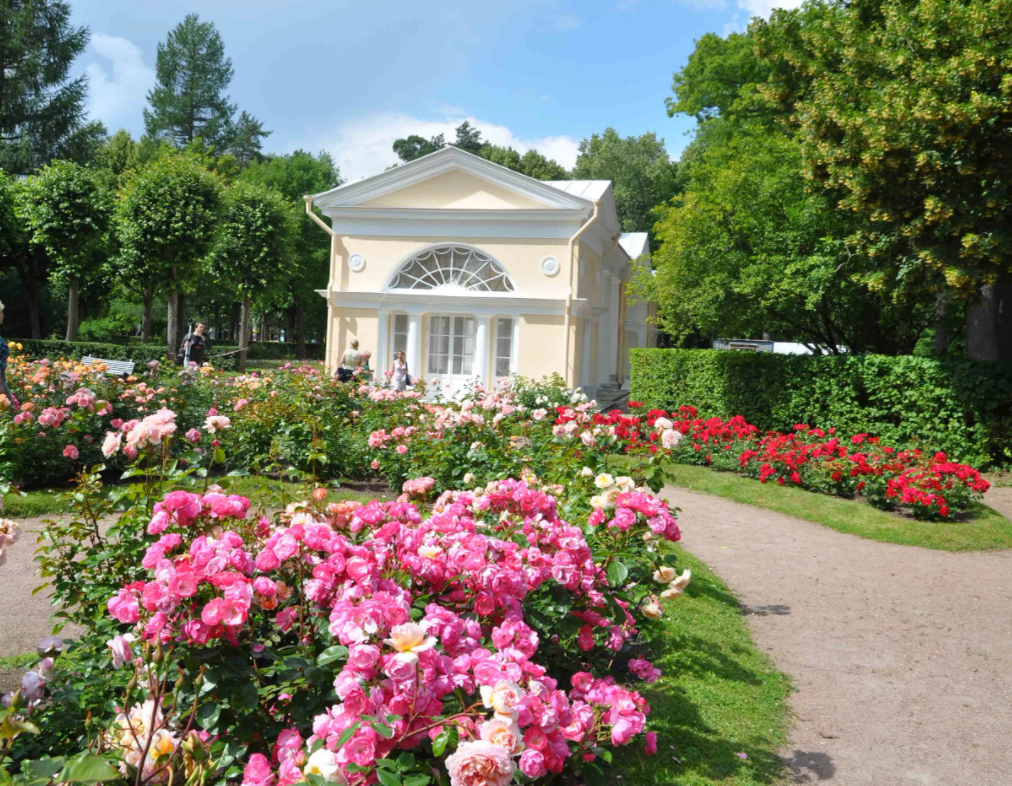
(441, 223)
(447, 160)
(481, 303)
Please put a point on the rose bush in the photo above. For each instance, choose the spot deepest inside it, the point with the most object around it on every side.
(927, 484)
(500, 630)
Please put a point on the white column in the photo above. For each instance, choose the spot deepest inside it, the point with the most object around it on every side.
(585, 362)
(614, 327)
(515, 346)
(481, 345)
(382, 343)
(414, 350)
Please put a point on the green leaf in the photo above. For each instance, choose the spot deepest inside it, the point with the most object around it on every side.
(88, 768)
(208, 714)
(406, 761)
(329, 655)
(417, 780)
(388, 778)
(617, 573)
(439, 744)
(383, 730)
(347, 734)
(245, 697)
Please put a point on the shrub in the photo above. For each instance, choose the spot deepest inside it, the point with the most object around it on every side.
(344, 643)
(961, 407)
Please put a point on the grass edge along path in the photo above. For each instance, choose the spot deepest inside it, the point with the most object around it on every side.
(981, 529)
(259, 488)
(720, 709)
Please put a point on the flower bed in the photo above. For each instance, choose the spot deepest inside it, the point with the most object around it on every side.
(502, 629)
(929, 485)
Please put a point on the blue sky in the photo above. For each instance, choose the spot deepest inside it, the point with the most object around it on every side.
(350, 77)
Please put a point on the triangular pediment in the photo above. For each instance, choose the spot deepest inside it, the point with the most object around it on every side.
(450, 179)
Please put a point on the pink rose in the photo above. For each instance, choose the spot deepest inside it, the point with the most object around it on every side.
(71, 452)
(651, 743)
(532, 763)
(480, 763)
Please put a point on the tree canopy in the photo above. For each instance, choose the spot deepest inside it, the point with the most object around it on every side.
(65, 211)
(189, 101)
(42, 113)
(642, 175)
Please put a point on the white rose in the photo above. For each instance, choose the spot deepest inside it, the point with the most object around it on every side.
(324, 763)
(664, 575)
(652, 611)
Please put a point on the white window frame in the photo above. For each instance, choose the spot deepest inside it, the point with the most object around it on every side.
(451, 267)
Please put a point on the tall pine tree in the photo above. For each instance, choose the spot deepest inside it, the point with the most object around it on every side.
(190, 98)
(42, 113)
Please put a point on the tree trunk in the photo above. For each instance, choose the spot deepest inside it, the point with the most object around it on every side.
(148, 298)
(262, 333)
(233, 322)
(181, 314)
(300, 328)
(172, 326)
(989, 322)
(73, 310)
(244, 325)
(33, 315)
(941, 329)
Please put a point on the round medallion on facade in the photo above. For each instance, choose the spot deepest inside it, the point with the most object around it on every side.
(356, 263)
(549, 266)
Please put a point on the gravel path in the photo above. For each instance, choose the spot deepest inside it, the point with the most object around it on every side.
(901, 657)
(24, 619)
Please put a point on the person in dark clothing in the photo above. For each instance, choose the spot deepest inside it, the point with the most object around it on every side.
(4, 354)
(197, 343)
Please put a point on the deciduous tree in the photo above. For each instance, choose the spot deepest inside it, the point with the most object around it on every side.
(641, 173)
(65, 211)
(746, 250)
(903, 112)
(252, 251)
(166, 219)
(294, 176)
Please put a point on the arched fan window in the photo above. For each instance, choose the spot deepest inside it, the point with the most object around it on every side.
(452, 267)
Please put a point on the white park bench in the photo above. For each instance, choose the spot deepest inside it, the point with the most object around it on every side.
(121, 368)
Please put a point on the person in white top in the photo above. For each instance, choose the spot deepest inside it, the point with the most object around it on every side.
(352, 357)
(400, 380)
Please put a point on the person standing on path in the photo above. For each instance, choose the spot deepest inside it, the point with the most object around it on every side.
(350, 361)
(197, 343)
(4, 354)
(400, 379)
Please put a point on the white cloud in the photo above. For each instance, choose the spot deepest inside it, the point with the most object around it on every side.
(566, 22)
(739, 22)
(764, 8)
(363, 147)
(117, 97)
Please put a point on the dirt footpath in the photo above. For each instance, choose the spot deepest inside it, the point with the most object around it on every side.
(24, 618)
(901, 656)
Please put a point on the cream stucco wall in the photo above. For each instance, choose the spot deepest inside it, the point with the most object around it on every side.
(349, 324)
(542, 346)
(521, 257)
(455, 190)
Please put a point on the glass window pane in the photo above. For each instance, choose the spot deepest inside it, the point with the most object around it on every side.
(453, 266)
(502, 367)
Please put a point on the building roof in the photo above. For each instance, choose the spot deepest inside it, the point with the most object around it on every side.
(635, 244)
(588, 189)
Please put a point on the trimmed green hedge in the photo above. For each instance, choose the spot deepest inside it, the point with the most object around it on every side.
(145, 353)
(959, 406)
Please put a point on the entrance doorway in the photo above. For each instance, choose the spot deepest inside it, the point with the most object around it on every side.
(451, 352)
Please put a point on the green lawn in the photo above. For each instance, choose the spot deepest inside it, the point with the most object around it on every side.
(719, 697)
(982, 528)
(260, 489)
